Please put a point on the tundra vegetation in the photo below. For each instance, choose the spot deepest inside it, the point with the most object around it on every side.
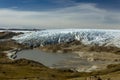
(31, 70)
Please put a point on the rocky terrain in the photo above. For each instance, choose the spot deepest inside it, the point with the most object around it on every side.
(31, 70)
(97, 57)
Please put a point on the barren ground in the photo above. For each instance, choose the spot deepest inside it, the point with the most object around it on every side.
(31, 70)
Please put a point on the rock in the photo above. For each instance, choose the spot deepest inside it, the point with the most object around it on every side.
(93, 78)
(80, 69)
(90, 59)
(94, 67)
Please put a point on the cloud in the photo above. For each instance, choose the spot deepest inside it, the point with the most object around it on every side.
(78, 16)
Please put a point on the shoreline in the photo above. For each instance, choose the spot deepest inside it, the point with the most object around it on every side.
(23, 66)
(95, 58)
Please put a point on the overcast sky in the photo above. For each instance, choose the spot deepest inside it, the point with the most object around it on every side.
(46, 14)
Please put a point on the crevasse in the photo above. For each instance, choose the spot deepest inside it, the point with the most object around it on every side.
(98, 37)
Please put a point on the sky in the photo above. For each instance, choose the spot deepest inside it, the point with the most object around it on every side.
(56, 14)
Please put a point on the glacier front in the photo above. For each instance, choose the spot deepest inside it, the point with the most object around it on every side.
(98, 37)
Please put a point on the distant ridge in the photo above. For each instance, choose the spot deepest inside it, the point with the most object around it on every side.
(14, 29)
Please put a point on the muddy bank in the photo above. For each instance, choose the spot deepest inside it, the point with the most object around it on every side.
(77, 61)
(78, 46)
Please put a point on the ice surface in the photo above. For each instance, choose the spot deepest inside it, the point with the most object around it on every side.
(98, 37)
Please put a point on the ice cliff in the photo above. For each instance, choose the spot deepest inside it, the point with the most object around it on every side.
(99, 37)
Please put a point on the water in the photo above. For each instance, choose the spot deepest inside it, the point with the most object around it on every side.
(48, 59)
(59, 60)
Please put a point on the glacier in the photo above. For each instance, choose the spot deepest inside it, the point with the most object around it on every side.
(100, 37)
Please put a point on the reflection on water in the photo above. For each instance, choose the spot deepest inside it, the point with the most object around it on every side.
(65, 60)
(48, 59)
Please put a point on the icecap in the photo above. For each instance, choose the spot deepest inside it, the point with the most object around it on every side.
(98, 37)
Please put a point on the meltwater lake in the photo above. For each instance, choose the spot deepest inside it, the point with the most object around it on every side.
(71, 61)
(46, 58)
